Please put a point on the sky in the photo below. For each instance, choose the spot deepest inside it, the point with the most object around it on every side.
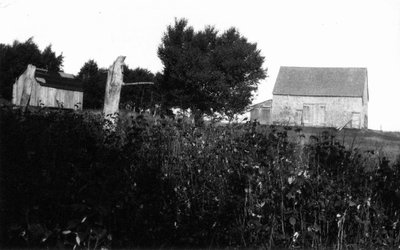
(309, 33)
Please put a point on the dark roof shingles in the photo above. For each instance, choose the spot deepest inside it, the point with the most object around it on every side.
(58, 80)
(307, 81)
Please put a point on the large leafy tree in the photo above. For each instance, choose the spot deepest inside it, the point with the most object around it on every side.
(14, 59)
(209, 72)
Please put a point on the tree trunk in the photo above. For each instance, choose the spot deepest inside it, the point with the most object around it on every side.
(113, 87)
(26, 82)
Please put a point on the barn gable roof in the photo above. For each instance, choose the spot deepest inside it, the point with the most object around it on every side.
(312, 81)
(58, 80)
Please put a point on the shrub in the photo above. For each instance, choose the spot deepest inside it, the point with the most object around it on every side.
(68, 181)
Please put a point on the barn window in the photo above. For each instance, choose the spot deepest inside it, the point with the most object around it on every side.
(298, 116)
(321, 111)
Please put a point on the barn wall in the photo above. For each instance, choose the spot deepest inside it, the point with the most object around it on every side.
(365, 104)
(337, 111)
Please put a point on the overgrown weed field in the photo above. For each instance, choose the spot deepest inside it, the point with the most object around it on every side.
(72, 180)
(384, 143)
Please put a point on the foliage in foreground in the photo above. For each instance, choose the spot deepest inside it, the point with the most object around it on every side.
(67, 182)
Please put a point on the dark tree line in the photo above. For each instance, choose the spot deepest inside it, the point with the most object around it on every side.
(206, 71)
(14, 59)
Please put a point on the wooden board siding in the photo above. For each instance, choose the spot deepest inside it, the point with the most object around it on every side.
(58, 98)
(318, 110)
(262, 115)
(48, 97)
(38, 87)
(17, 92)
(314, 114)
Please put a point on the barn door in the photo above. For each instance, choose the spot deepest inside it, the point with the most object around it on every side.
(307, 114)
(314, 114)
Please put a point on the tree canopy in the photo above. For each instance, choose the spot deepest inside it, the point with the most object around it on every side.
(94, 85)
(139, 96)
(15, 58)
(207, 71)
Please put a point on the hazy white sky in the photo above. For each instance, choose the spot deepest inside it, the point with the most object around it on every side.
(288, 33)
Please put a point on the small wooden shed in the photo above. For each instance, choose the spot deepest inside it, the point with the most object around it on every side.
(39, 87)
(261, 112)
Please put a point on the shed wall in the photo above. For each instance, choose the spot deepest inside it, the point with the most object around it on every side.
(48, 97)
(52, 97)
(261, 114)
(17, 92)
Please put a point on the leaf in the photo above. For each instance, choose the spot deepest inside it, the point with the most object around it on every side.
(338, 203)
(292, 221)
(358, 219)
(78, 240)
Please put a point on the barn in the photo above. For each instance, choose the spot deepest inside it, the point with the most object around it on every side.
(39, 87)
(320, 97)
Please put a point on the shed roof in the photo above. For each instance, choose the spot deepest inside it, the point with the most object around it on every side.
(312, 81)
(264, 104)
(58, 80)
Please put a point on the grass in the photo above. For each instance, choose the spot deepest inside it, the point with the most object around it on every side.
(380, 143)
